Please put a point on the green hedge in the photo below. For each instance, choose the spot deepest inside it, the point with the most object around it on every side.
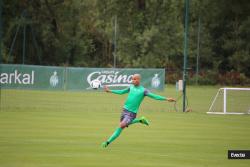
(210, 78)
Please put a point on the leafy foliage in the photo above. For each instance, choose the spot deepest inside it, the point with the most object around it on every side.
(148, 33)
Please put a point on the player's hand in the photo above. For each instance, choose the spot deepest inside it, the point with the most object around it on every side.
(106, 89)
(170, 99)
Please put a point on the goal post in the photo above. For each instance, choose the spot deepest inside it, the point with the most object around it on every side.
(231, 101)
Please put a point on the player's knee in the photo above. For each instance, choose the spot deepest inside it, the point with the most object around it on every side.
(123, 125)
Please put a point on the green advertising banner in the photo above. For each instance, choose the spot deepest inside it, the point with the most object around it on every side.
(31, 77)
(94, 78)
(79, 79)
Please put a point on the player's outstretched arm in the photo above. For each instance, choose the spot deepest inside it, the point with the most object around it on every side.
(120, 92)
(158, 97)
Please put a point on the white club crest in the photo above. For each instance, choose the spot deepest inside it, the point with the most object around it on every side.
(155, 83)
(54, 80)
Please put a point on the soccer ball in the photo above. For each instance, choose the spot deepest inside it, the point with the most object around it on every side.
(95, 84)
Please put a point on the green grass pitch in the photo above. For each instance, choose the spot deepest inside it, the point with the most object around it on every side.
(66, 129)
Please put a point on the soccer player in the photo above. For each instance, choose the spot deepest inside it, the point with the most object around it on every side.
(136, 94)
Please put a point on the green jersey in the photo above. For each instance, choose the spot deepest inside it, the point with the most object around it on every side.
(135, 96)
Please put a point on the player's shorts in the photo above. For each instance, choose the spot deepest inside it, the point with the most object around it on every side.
(127, 116)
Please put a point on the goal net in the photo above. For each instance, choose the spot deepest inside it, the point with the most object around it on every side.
(231, 101)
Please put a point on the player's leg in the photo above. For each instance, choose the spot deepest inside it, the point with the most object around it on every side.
(124, 122)
(116, 133)
(141, 120)
(126, 119)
